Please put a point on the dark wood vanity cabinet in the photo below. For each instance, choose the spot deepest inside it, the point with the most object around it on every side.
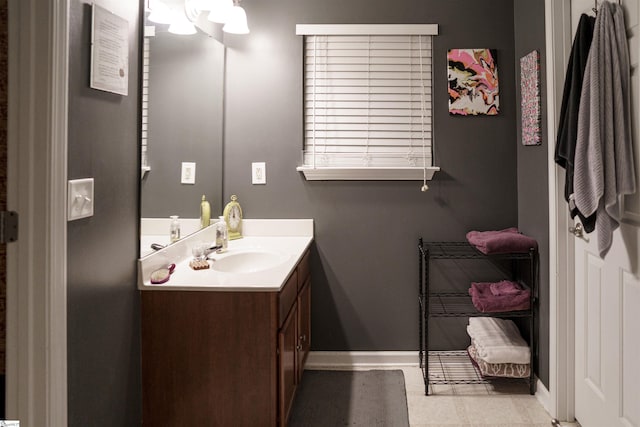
(294, 337)
(304, 326)
(214, 358)
(287, 381)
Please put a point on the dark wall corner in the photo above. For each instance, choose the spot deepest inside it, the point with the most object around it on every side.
(533, 180)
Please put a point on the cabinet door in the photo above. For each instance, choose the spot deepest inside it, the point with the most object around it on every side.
(287, 343)
(304, 327)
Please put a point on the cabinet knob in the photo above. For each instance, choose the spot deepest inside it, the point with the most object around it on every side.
(303, 337)
(299, 347)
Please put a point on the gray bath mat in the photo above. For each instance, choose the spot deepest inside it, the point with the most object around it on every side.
(350, 398)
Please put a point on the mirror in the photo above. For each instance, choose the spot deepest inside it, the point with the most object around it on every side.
(182, 119)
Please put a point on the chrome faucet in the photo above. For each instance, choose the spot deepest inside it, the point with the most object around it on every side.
(211, 249)
(203, 249)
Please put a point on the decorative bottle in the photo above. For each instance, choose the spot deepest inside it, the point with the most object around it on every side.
(222, 235)
(205, 213)
(174, 229)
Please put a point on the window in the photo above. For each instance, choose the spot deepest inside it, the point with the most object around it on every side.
(368, 101)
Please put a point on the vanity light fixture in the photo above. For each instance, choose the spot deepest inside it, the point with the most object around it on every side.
(192, 8)
(202, 5)
(160, 13)
(227, 12)
(237, 22)
(181, 24)
(220, 11)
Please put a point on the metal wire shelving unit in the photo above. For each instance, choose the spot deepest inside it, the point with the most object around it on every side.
(434, 304)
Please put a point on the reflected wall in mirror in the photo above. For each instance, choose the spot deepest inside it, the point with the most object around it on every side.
(182, 121)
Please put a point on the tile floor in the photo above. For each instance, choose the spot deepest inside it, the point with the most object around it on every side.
(505, 404)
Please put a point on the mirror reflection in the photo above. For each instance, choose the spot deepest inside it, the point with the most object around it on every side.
(182, 103)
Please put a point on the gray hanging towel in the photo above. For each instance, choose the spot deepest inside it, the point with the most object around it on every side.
(604, 168)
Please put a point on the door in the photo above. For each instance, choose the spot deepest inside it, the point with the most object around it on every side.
(304, 327)
(607, 294)
(36, 166)
(4, 82)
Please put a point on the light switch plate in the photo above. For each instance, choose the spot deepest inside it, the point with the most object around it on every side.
(79, 198)
(258, 173)
(188, 173)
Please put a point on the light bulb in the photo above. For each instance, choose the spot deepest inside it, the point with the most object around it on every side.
(160, 14)
(237, 22)
(181, 25)
(203, 4)
(220, 11)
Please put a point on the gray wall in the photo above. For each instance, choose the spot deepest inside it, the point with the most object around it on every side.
(533, 181)
(103, 305)
(185, 124)
(364, 260)
(365, 263)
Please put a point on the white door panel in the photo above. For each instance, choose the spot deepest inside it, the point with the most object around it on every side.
(630, 348)
(607, 292)
(592, 335)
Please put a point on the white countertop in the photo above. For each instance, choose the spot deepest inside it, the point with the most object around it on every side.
(288, 238)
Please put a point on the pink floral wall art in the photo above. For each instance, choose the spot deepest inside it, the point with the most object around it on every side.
(473, 82)
(530, 98)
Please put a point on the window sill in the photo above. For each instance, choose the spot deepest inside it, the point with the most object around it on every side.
(366, 174)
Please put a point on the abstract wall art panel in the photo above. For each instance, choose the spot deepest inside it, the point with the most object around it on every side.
(473, 82)
(530, 98)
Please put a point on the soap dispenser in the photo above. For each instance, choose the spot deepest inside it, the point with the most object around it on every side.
(205, 213)
(222, 235)
(174, 229)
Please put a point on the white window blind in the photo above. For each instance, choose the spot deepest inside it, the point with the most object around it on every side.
(368, 101)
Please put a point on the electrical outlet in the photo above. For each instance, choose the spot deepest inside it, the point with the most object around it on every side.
(188, 173)
(79, 198)
(258, 173)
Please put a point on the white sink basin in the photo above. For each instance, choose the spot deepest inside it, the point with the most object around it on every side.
(248, 261)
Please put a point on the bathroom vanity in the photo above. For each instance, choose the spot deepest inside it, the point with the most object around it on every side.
(227, 346)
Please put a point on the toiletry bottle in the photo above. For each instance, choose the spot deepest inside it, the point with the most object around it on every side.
(174, 229)
(205, 213)
(222, 236)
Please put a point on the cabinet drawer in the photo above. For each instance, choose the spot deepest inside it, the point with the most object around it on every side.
(287, 297)
(303, 270)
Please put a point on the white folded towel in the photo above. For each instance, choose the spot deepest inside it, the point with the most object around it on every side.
(498, 340)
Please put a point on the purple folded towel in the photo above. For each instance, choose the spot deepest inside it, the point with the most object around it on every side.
(505, 287)
(485, 301)
(504, 241)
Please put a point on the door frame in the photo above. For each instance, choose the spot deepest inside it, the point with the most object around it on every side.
(561, 249)
(36, 188)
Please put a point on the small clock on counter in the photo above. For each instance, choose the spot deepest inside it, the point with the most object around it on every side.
(233, 217)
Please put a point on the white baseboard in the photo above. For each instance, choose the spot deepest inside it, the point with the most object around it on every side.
(543, 395)
(356, 360)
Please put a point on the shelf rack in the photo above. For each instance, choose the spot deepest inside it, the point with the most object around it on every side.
(457, 304)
